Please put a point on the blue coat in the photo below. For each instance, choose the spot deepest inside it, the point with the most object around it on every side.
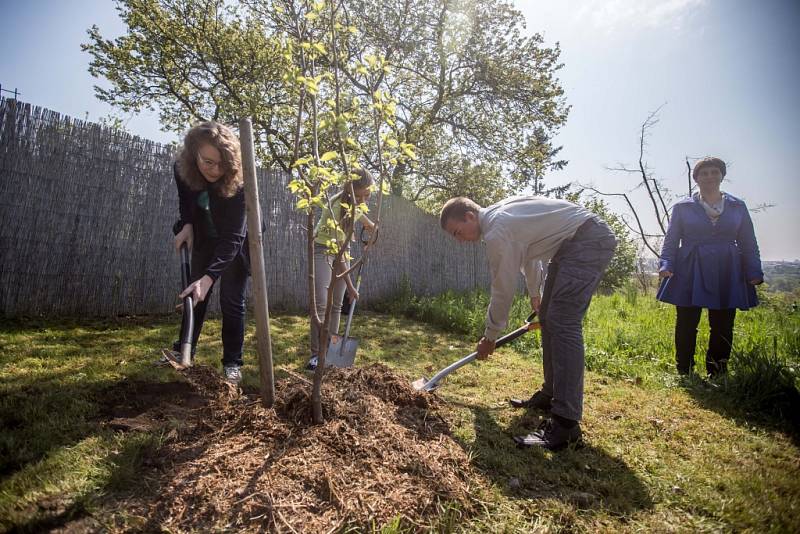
(711, 264)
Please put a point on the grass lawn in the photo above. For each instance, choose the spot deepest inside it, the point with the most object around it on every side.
(660, 455)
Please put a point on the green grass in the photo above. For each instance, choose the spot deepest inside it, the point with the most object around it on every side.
(630, 335)
(661, 454)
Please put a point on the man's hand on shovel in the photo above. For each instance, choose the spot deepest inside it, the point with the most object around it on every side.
(485, 348)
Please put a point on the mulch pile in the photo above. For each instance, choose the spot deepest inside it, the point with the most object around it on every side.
(382, 452)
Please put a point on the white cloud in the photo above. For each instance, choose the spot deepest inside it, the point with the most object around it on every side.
(616, 15)
(607, 16)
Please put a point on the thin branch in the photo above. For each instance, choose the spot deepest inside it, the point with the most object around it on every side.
(641, 231)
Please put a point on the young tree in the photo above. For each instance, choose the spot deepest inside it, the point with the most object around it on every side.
(290, 71)
(324, 150)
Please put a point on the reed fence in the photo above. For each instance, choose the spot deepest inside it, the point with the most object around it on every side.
(85, 227)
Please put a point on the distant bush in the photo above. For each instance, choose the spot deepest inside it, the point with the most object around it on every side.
(459, 312)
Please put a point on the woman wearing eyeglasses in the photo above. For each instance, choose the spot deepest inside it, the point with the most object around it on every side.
(212, 224)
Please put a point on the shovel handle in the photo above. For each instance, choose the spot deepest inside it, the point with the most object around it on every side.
(511, 336)
(187, 326)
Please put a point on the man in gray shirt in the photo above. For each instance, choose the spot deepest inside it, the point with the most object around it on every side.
(521, 233)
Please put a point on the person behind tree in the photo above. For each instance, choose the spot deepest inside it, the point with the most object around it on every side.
(208, 174)
(520, 233)
(709, 260)
(333, 226)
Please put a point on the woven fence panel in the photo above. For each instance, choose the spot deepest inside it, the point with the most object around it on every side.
(86, 215)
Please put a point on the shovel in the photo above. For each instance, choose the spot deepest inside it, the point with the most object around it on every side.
(342, 349)
(423, 384)
(187, 326)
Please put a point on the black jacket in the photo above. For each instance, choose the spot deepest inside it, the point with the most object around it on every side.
(230, 223)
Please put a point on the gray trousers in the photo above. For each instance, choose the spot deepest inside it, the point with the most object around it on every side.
(322, 279)
(572, 277)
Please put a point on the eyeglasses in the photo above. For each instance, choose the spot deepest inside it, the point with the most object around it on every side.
(209, 163)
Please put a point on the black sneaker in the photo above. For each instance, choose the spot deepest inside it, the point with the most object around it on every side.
(538, 401)
(551, 435)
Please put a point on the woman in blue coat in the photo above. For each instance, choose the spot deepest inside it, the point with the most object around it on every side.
(710, 260)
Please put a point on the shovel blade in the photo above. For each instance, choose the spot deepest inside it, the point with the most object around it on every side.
(341, 353)
(175, 359)
(422, 384)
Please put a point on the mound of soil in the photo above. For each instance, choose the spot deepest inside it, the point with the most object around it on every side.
(382, 452)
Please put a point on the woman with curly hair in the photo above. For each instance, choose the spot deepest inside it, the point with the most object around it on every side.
(212, 223)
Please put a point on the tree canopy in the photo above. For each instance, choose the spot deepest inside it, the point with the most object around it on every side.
(478, 99)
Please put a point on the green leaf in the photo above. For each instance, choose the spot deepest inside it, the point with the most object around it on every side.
(302, 161)
(410, 153)
(327, 156)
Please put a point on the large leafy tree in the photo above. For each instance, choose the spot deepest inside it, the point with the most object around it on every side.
(195, 60)
(470, 86)
(474, 95)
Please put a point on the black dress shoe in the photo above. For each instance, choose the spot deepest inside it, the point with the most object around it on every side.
(538, 401)
(551, 435)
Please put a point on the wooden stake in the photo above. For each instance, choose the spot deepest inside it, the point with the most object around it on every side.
(267, 378)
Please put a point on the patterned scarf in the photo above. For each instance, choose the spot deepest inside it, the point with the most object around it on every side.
(712, 210)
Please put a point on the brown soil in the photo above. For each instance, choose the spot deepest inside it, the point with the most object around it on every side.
(383, 452)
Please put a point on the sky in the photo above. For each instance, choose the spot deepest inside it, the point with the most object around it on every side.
(725, 71)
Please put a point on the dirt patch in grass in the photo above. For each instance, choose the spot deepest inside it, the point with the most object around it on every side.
(383, 452)
(146, 406)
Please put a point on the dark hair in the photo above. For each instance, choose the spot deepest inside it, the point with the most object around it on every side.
(457, 208)
(223, 139)
(709, 161)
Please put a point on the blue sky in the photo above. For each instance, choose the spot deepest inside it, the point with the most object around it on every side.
(727, 72)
